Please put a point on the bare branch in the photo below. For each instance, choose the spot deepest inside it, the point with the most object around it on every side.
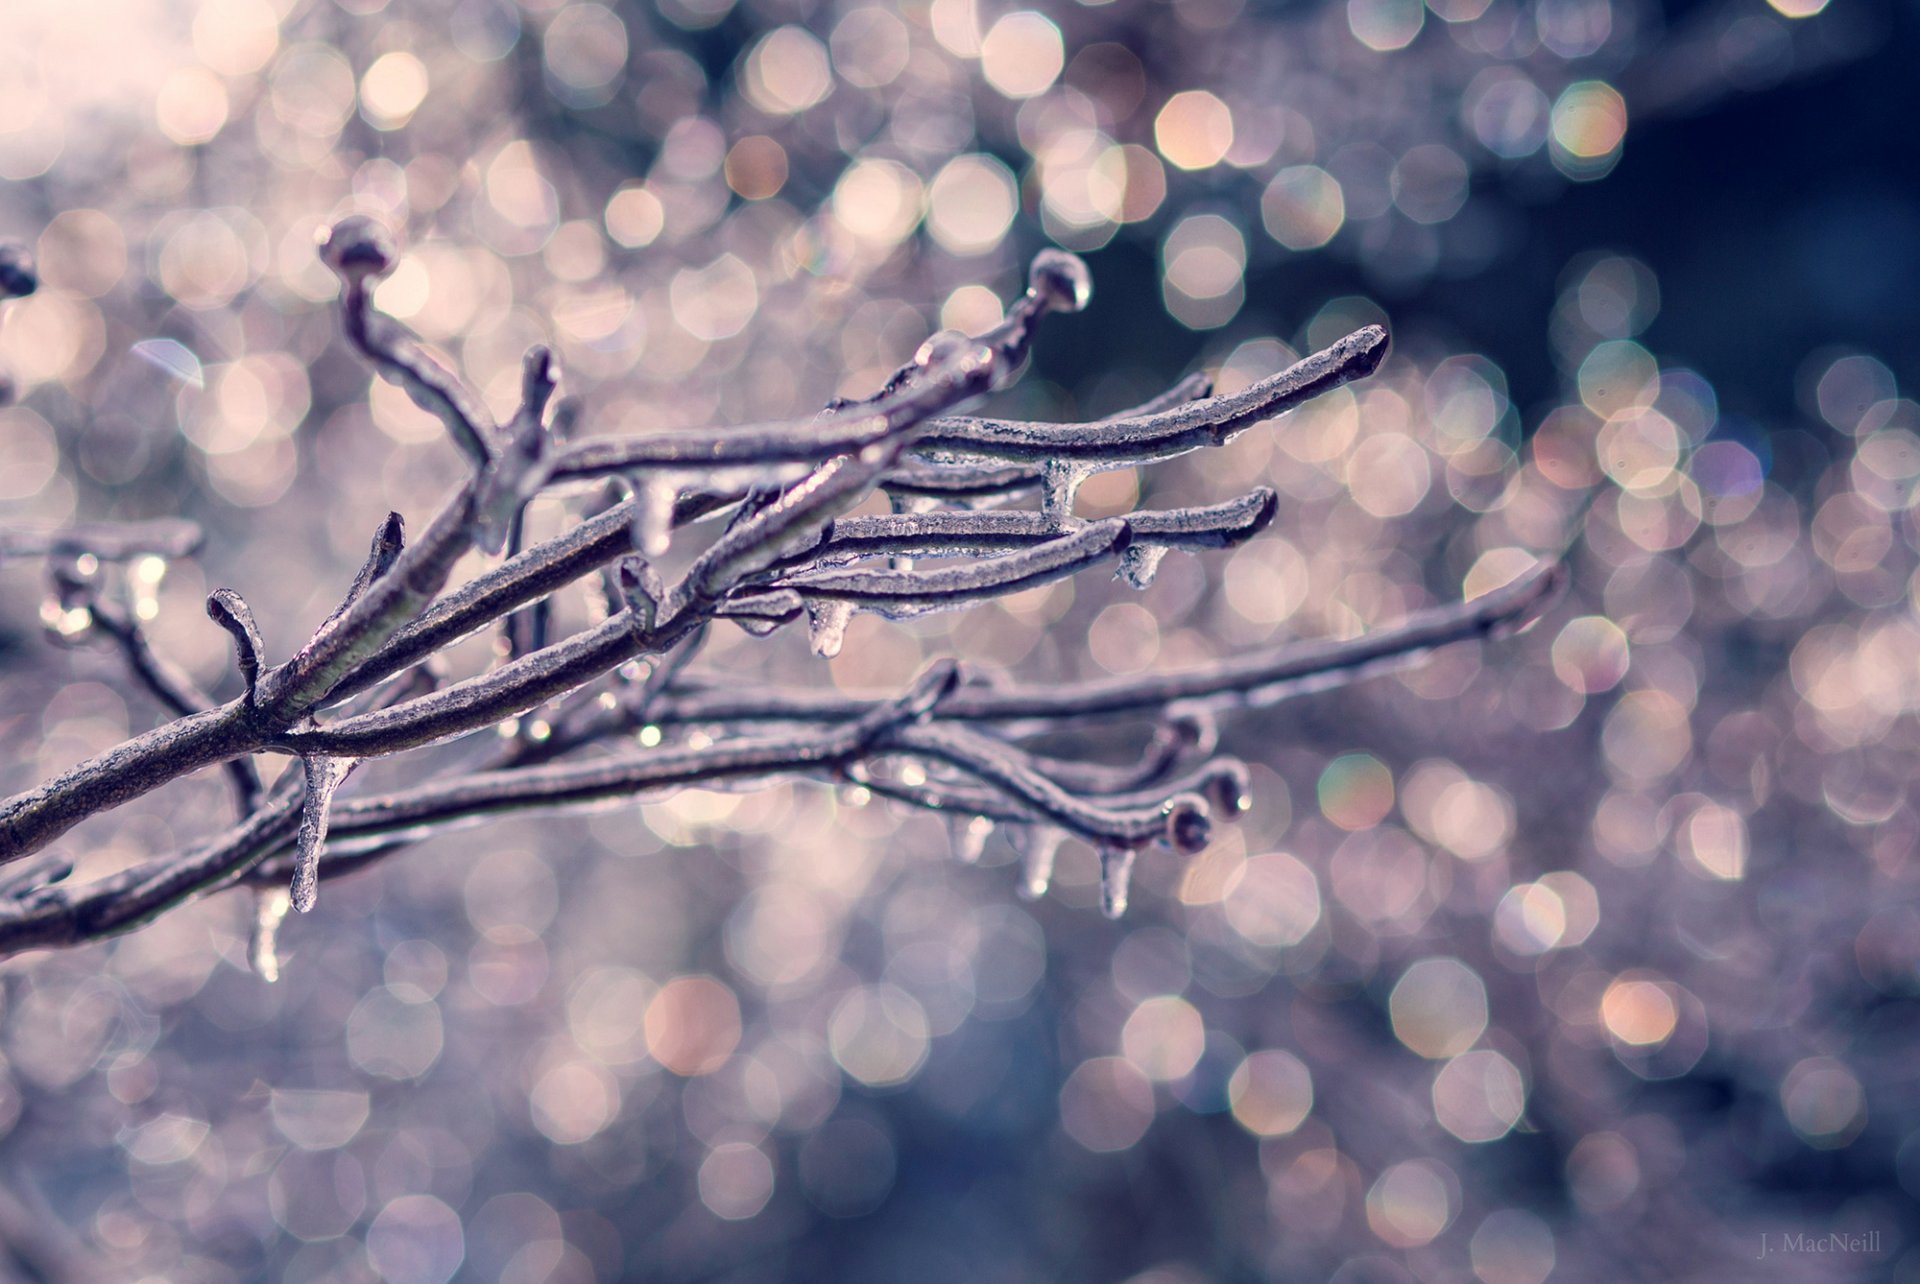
(360, 252)
(788, 548)
(167, 537)
(175, 691)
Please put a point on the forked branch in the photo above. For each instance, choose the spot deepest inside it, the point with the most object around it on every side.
(366, 684)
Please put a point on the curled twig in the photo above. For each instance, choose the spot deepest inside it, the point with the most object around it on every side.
(229, 610)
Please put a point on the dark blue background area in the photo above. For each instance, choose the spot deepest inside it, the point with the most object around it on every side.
(1779, 222)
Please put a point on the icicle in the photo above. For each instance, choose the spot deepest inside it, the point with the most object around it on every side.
(323, 777)
(1116, 873)
(1036, 859)
(827, 620)
(263, 947)
(1140, 562)
(1059, 483)
(653, 498)
(970, 834)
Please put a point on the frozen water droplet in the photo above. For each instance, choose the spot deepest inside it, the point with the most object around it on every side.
(1036, 859)
(1139, 563)
(827, 620)
(970, 834)
(1116, 876)
(1059, 482)
(1060, 280)
(653, 515)
(948, 345)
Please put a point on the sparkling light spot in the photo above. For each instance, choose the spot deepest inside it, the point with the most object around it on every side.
(1638, 1011)
(1164, 1037)
(692, 1025)
(1439, 1008)
(787, 72)
(1022, 54)
(1356, 791)
(1479, 1096)
(1412, 1203)
(1194, 130)
(1589, 125)
(1271, 1093)
(1106, 1104)
(971, 204)
(1385, 25)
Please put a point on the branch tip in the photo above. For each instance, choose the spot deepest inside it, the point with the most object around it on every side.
(1189, 825)
(229, 610)
(358, 248)
(539, 377)
(388, 543)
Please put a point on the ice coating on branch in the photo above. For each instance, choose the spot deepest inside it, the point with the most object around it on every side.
(323, 778)
(947, 345)
(785, 492)
(229, 610)
(641, 589)
(653, 513)
(1059, 483)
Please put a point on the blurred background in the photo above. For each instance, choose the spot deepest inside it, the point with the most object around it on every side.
(1587, 955)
